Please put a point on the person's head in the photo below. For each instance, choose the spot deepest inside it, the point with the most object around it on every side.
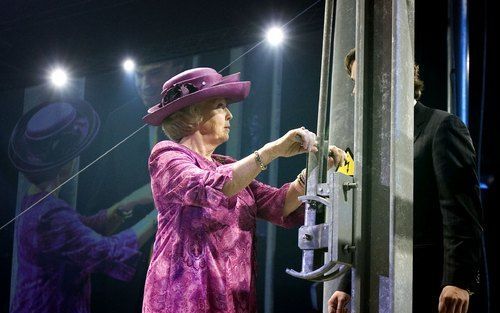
(195, 102)
(47, 139)
(209, 118)
(350, 66)
(149, 79)
(50, 179)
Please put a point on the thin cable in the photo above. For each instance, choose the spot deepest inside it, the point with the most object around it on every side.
(260, 42)
(76, 174)
(303, 11)
(245, 53)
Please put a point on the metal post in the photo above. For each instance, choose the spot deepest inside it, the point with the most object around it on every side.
(313, 237)
(341, 131)
(273, 180)
(463, 63)
(458, 59)
(383, 216)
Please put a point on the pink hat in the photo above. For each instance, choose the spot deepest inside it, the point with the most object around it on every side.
(195, 86)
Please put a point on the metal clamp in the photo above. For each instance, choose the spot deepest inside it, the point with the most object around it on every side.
(327, 272)
(348, 186)
(314, 237)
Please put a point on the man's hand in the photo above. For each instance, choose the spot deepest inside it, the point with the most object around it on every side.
(338, 302)
(336, 157)
(453, 300)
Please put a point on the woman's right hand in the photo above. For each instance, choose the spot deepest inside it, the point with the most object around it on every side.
(295, 141)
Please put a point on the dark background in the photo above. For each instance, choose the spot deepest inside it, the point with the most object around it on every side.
(92, 37)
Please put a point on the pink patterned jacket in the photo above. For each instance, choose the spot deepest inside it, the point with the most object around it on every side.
(204, 254)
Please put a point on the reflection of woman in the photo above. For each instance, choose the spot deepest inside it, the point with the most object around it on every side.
(57, 248)
(203, 258)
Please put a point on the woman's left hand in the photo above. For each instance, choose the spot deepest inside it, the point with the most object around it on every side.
(336, 157)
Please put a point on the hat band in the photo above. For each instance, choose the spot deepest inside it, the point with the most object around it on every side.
(186, 87)
(177, 91)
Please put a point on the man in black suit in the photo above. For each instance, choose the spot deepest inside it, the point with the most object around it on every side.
(446, 212)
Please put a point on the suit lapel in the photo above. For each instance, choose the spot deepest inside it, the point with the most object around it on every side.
(419, 117)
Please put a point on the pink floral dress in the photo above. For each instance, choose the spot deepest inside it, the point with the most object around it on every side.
(58, 249)
(204, 254)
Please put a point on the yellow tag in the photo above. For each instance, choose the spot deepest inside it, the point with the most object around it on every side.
(348, 168)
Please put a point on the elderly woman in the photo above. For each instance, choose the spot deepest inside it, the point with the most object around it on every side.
(204, 254)
(57, 248)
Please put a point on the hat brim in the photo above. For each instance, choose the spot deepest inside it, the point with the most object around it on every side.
(232, 91)
(17, 145)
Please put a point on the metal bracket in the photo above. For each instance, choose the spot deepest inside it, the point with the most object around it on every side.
(327, 272)
(313, 237)
(311, 199)
(323, 190)
(348, 186)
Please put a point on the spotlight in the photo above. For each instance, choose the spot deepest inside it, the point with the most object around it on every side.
(58, 77)
(129, 65)
(275, 36)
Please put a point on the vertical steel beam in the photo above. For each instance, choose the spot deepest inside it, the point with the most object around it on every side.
(341, 129)
(273, 179)
(383, 214)
(458, 55)
(401, 206)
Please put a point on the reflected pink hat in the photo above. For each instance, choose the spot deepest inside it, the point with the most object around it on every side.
(195, 86)
(52, 134)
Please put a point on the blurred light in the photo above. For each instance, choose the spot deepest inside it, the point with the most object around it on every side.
(483, 186)
(275, 36)
(129, 65)
(58, 77)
